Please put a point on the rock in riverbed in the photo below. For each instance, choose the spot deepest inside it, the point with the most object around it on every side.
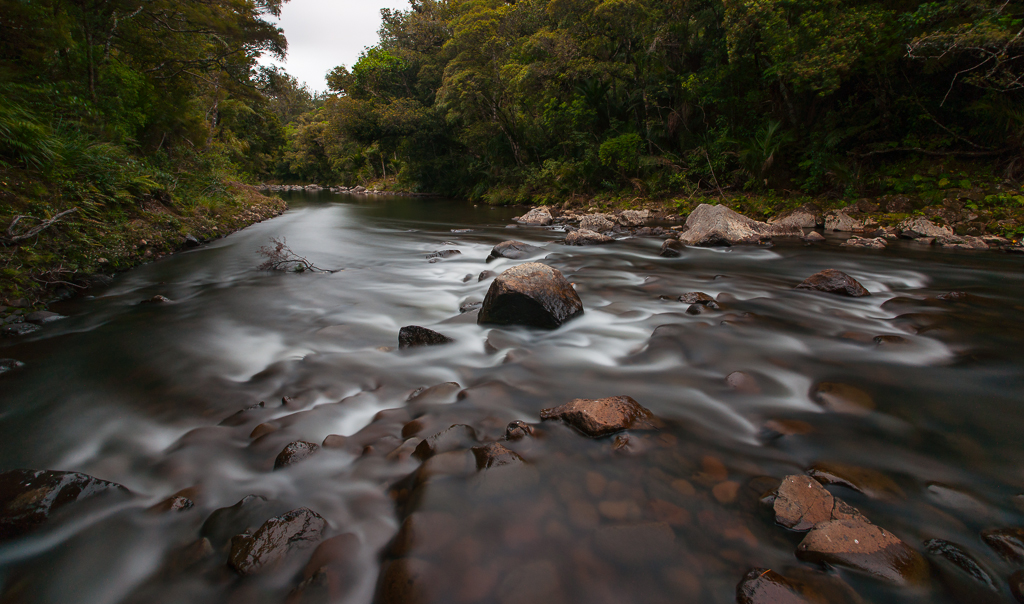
(765, 586)
(294, 531)
(858, 544)
(530, 294)
(587, 237)
(919, 227)
(414, 335)
(598, 223)
(514, 250)
(718, 225)
(671, 248)
(10, 365)
(294, 453)
(537, 217)
(841, 221)
(600, 417)
(28, 498)
(834, 282)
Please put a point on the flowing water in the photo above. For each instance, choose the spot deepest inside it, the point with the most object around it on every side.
(147, 395)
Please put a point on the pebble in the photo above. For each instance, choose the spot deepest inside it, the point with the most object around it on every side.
(600, 417)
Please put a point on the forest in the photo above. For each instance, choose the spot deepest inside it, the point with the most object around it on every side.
(108, 107)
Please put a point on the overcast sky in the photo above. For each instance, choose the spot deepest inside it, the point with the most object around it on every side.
(323, 34)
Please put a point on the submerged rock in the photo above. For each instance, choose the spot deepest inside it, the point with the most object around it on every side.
(834, 282)
(514, 250)
(587, 237)
(842, 398)
(293, 531)
(1007, 542)
(856, 543)
(495, 454)
(699, 298)
(872, 483)
(18, 329)
(635, 544)
(459, 436)
(412, 336)
(43, 316)
(1017, 585)
(801, 503)
(294, 453)
(243, 517)
(949, 553)
(29, 498)
(530, 294)
(718, 225)
(600, 417)
(518, 429)
(537, 217)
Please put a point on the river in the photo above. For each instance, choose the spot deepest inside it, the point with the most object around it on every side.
(145, 395)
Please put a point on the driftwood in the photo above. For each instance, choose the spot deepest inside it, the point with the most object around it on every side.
(280, 257)
(14, 237)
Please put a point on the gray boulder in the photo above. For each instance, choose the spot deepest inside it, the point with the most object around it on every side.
(513, 250)
(537, 217)
(718, 225)
(586, 237)
(598, 223)
(841, 221)
(530, 294)
(916, 228)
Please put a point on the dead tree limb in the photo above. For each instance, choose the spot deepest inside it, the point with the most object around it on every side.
(280, 257)
(14, 237)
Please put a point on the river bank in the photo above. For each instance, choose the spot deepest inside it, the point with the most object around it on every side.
(85, 248)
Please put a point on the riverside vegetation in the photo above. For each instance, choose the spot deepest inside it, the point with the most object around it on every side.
(147, 117)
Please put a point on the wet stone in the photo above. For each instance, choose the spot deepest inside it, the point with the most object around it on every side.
(951, 553)
(744, 383)
(459, 436)
(294, 531)
(600, 417)
(699, 298)
(890, 340)
(29, 498)
(493, 455)
(834, 282)
(158, 299)
(175, 503)
(537, 217)
(43, 316)
(513, 250)
(530, 294)
(14, 330)
(518, 429)
(413, 335)
(444, 392)
(872, 483)
(955, 296)
(442, 254)
(777, 428)
(243, 517)
(671, 248)
(1007, 542)
(814, 237)
(856, 543)
(294, 453)
(335, 441)
(801, 503)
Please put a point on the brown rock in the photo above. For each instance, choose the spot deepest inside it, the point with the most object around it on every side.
(801, 503)
(425, 532)
(407, 581)
(1007, 542)
(277, 538)
(530, 294)
(725, 492)
(635, 544)
(670, 513)
(587, 237)
(28, 498)
(743, 383)
(814, 237)
(438, 393)
(335, 441)
(495, 454)
(412, 336)
(699, 298)
(872, 483)
(600, 417)
(834, 282)
(245, 516)
(294, 453)
(842, 398)
(518, 429)
(776, 428)
(713, 469)
(263, 429)
(718, 225)
(858, 544)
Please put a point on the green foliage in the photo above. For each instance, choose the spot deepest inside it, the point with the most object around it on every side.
(621, 153)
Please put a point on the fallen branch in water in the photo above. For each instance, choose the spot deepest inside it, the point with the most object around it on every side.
(280, 257)
(12, 237)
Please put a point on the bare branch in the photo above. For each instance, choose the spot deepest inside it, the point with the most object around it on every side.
(13, 237)
(280, 257)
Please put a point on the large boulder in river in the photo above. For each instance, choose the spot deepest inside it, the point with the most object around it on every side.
(834, 282)
(599, 417)
(718, 225)
(536, 217)
(28, 498)
(587, 237)
(804, 217)
(633, 218)
(513, 250)
(841, 221)
(278, 537)
(530, 294)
